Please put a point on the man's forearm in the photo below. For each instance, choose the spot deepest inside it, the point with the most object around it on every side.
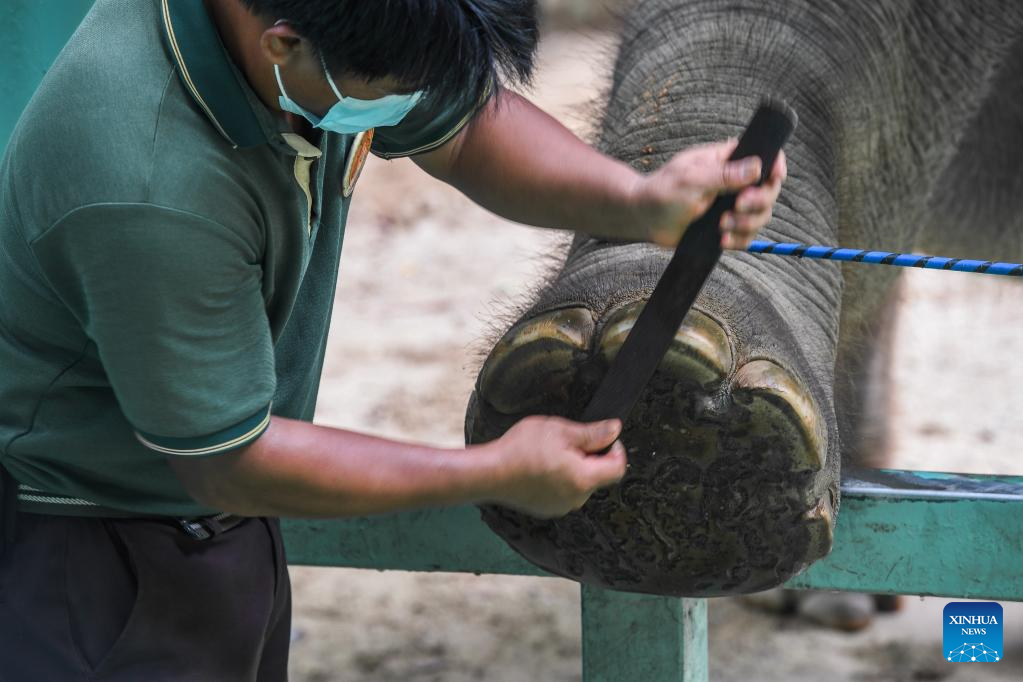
(303, 470)
(520, 163)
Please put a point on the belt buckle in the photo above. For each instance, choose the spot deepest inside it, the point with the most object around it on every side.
(195, 529)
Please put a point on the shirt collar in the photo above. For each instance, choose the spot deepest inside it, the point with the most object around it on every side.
(208, 74)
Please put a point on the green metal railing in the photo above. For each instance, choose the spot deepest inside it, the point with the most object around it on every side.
(898, 532)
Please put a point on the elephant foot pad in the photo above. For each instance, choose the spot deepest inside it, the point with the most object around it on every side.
(726, 491)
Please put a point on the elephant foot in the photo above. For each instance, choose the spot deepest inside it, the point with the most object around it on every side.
(727, 490)
(841, 611)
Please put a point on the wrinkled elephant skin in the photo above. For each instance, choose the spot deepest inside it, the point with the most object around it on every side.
(911, 122)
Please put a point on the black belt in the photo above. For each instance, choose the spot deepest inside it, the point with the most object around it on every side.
(199, 528)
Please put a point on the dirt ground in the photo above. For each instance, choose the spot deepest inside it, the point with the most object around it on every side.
(423, 271)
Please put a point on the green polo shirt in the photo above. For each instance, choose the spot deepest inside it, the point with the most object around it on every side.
(168, 258)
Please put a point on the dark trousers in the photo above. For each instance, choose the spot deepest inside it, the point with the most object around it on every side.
(119, 600)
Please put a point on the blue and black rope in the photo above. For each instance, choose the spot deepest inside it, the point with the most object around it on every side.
(905, 260)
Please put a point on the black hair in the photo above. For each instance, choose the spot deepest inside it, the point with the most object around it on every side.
(450, 48)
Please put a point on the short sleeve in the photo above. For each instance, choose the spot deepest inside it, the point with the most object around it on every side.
(429, 125)
(173, 303)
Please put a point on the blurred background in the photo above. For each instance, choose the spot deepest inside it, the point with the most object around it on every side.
(421, 282)
(577, 13)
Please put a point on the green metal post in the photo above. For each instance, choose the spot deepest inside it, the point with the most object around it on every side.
(643, 637)
(34, 32)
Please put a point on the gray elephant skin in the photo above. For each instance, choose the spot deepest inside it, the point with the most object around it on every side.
(910, 138)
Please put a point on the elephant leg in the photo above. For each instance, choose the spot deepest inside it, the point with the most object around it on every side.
(976, 205)
(863, 369)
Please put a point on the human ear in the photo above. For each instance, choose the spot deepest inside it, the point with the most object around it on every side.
(280, 43)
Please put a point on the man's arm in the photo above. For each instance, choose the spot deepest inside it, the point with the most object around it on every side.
(522, 164)
(296, 469)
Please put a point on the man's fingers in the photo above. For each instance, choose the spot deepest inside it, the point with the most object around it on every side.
(607, 469)
(731, 241)
(738, 230)
(755, 199)
(712, 176)
(595, 436)
(773, 186)
(780, 171)
(745, 224)
(736, 175)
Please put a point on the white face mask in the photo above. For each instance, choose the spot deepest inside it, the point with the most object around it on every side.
(350, 115)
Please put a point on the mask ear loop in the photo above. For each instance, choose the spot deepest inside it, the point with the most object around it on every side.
(337, 93)
(280, 83)
(277, 69)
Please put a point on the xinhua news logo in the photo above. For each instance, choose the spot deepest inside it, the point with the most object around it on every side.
(973, 631)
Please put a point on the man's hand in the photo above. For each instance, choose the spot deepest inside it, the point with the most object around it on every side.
(681, 190)
(547, 470)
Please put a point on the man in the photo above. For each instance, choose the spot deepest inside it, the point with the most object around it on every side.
(172, 210)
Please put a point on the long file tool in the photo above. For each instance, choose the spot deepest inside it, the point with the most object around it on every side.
(695, 257)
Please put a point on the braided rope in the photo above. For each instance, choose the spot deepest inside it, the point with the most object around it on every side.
(905, 260)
